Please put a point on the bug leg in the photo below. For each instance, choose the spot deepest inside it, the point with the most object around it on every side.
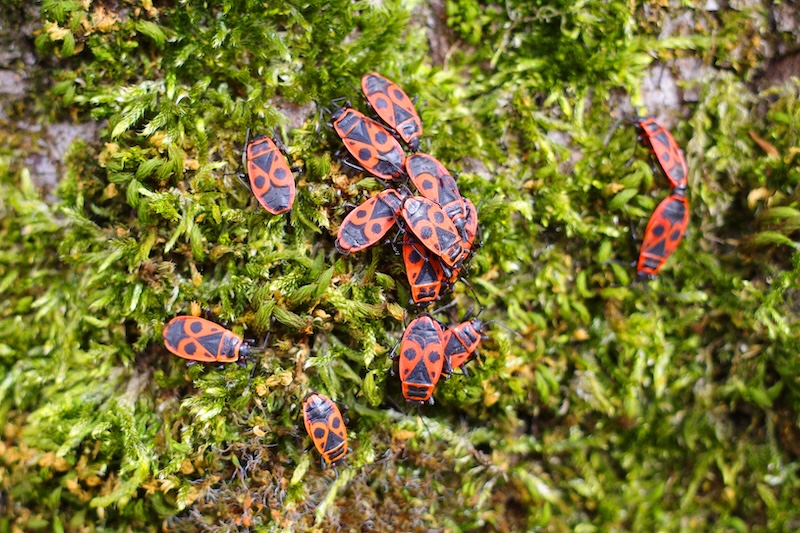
(393, 242)
(212, 316)
(252, 373)
(447, 368)
(634, 237)
(353, 166)
(444, 308)
(393, 354)
(244, 181)
(629, 162)
(629, 264)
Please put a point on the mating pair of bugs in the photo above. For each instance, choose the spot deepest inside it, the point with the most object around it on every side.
(198, 339)
(428, 351)
(668, 223)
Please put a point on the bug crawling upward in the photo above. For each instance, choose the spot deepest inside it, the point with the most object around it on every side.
(394, 107)
(271, 179)
(665, 150)
(421, 359)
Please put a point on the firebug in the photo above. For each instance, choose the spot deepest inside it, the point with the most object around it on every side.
(325, 426)
(665, 150)
(664, 232)
(421, 359)
(369, 222)
(434, 182)
(372, 146)
(461, 342)
(424, 270)
(434, 229)
(394, 107)
(271, 179)
(198, 339)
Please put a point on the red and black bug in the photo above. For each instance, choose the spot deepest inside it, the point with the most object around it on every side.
(434, 182)
(372, 146)
(429, 223)
(665, 150)
(325, 426)
(469, 232)
(461, 342)
(394, 106)
(425, 274)
(369, 222)
(663, 234)
(421, 359)
(201, 340)
(271, 179)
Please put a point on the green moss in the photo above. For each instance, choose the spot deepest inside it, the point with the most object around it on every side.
(604, 406)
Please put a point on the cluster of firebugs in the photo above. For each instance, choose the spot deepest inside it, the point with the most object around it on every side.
(438, 228)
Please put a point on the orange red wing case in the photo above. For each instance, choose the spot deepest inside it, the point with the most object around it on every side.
(271, 178)
(424, 271)
(663, 234)
(434, 229)
(421, 359)
(199, 339)
(394, 107)
(369, 222)
(372, 146)
(665, 149)
(325, 426)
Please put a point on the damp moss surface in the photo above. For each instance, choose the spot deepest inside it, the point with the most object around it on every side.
(596, 403)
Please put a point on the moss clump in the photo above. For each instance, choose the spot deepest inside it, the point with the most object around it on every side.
(614, 407)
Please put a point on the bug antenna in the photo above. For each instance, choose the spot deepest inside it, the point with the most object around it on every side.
(474, 295)
(340, 102)
(612, 130)
(263, 346)
(422, 419)
(355, 89)
(510, 330)
(242, 173)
